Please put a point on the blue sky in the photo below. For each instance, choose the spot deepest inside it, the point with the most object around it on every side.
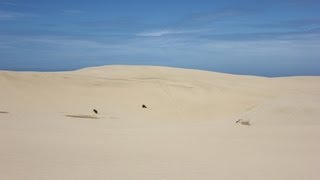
(259, 37)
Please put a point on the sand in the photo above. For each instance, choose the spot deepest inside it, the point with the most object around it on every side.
(48, 129)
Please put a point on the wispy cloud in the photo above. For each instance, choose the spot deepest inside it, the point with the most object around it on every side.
(20, 4)
(189, 24)
(163, 32)
(71, 11)
(8, 3)
(8, 15)
(12, 15)
(156, 33)
(165, 50)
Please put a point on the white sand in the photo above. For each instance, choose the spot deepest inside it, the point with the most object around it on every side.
(187, 132)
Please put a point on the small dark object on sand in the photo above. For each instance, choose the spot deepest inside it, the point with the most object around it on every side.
(95, 111)
(144, 106)
(244, 122)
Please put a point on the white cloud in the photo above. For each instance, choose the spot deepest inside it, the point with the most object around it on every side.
(7, 15)
(164, 32)
(11, 15)
(156, 33)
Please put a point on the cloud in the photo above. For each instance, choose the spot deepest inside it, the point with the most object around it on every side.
(8, 15)
(183, 51)
(12, 15)
(72, 11)
(164, 32)
(191, 24)
(156, 33)
(8, 3)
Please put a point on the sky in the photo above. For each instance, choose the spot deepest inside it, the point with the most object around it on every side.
(254, 37)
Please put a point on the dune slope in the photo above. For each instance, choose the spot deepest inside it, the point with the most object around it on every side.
(48, 129)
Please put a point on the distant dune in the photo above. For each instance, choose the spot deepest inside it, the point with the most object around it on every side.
(188, 130)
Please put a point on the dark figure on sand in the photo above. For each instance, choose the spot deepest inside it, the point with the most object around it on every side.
(144, 106)
(95, 111)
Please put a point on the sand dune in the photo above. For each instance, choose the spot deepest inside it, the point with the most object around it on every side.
(48, 129)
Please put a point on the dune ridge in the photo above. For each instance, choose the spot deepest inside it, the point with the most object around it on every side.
(187, 131)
